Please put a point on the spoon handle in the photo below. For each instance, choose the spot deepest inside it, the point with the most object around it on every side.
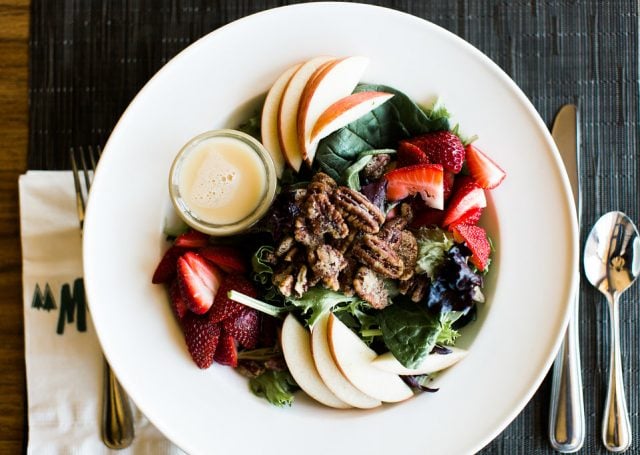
(117, 419)
(616, 428)
(566, 412)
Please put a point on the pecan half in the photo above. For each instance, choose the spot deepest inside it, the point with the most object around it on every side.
(379, 255)
(327, 263)
(283, 279)
(377, 167)
(370, 287)
(302, 284)
(321, 183)
(416, 287)
(357, 210)
(408, 251)
(323, 217)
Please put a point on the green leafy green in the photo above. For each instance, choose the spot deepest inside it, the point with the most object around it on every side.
(263, 272)
(411, 333)
(276, 386)
(359, 317)
(398, 118)
(433, 245)
(317, 301)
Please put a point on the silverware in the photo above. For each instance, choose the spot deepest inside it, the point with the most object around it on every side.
(117, 418)
(566, 410)
(612, 264)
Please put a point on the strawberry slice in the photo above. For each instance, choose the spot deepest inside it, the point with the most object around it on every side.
(199, 281)
(470, 217)
(192, 239)
(476, 240)
(223, 307)
(166, 269)
(467, 196)
(410, 154)
(483, 169)
(202, 338)
(245, 327)
(178, 303)
(442, 147)
(229, 259)
(423, 179)
(226, 352)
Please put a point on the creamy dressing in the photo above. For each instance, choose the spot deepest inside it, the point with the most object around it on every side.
(222, 180)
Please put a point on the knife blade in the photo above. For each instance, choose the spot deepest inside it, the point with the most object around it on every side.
(566, 411)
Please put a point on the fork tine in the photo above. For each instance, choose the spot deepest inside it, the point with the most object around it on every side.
(80, 201)
(92, 158)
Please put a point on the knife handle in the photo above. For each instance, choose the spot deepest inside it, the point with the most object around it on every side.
(566, 412)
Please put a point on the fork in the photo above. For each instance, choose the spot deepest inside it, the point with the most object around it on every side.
(117, 418)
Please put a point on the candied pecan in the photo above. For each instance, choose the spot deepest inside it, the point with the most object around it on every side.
(344, 244)
(321, 183)
(408, 251)
(359, 211)
(379, 255)
(302, 284)
(416, 287)
(326, 262)
(323, 217)
(346, 276)
(283, 279)
(285, 245)
(298, 195)
(303, 234)
(370, 287)
(399, 222)
(377, 167)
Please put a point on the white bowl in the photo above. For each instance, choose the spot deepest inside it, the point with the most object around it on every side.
(212, 84)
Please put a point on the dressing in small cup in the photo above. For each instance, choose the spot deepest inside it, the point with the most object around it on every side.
(222, 182)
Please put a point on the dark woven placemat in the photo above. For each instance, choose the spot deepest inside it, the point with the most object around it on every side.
(88, 59)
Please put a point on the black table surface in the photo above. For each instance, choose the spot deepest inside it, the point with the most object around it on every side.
(88, 60)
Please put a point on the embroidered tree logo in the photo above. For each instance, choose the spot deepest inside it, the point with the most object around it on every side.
(43, 301)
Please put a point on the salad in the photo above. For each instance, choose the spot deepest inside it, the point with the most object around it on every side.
(370, 260)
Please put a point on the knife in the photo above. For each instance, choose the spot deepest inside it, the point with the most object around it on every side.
(566, 411)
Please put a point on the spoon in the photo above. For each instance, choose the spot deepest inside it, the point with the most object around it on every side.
(611, 264)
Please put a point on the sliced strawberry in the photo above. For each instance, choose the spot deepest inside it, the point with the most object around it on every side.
(229, 259)
(483, 169)
(410, 154)
(245, 327)
(226, 352)
(466, 197)
(476, 240)
(202, 338)
(442, 147)
(223, 307)
(166, 269)
(427, 217)
(199, 281)
(448, 180)
(178, 303)
(192, 239)
(470, 217)
(423, 179)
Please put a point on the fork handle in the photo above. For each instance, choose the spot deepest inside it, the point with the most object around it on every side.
(566, 412)
(117, 418)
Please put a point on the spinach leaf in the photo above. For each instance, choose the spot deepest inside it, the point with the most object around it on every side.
(411, 333)
(351, 175)
(398, 118)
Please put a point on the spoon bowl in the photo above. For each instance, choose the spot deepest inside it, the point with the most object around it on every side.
(612, 264)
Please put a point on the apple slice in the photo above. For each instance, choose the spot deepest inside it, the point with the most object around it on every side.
(354, 359)
(329, 84)
(345, 111)
(329, 372)
(430, 364)
(269, 119)
(296, 347)
(288, 110)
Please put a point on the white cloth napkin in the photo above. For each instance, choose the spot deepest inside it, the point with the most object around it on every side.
(63, 357)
